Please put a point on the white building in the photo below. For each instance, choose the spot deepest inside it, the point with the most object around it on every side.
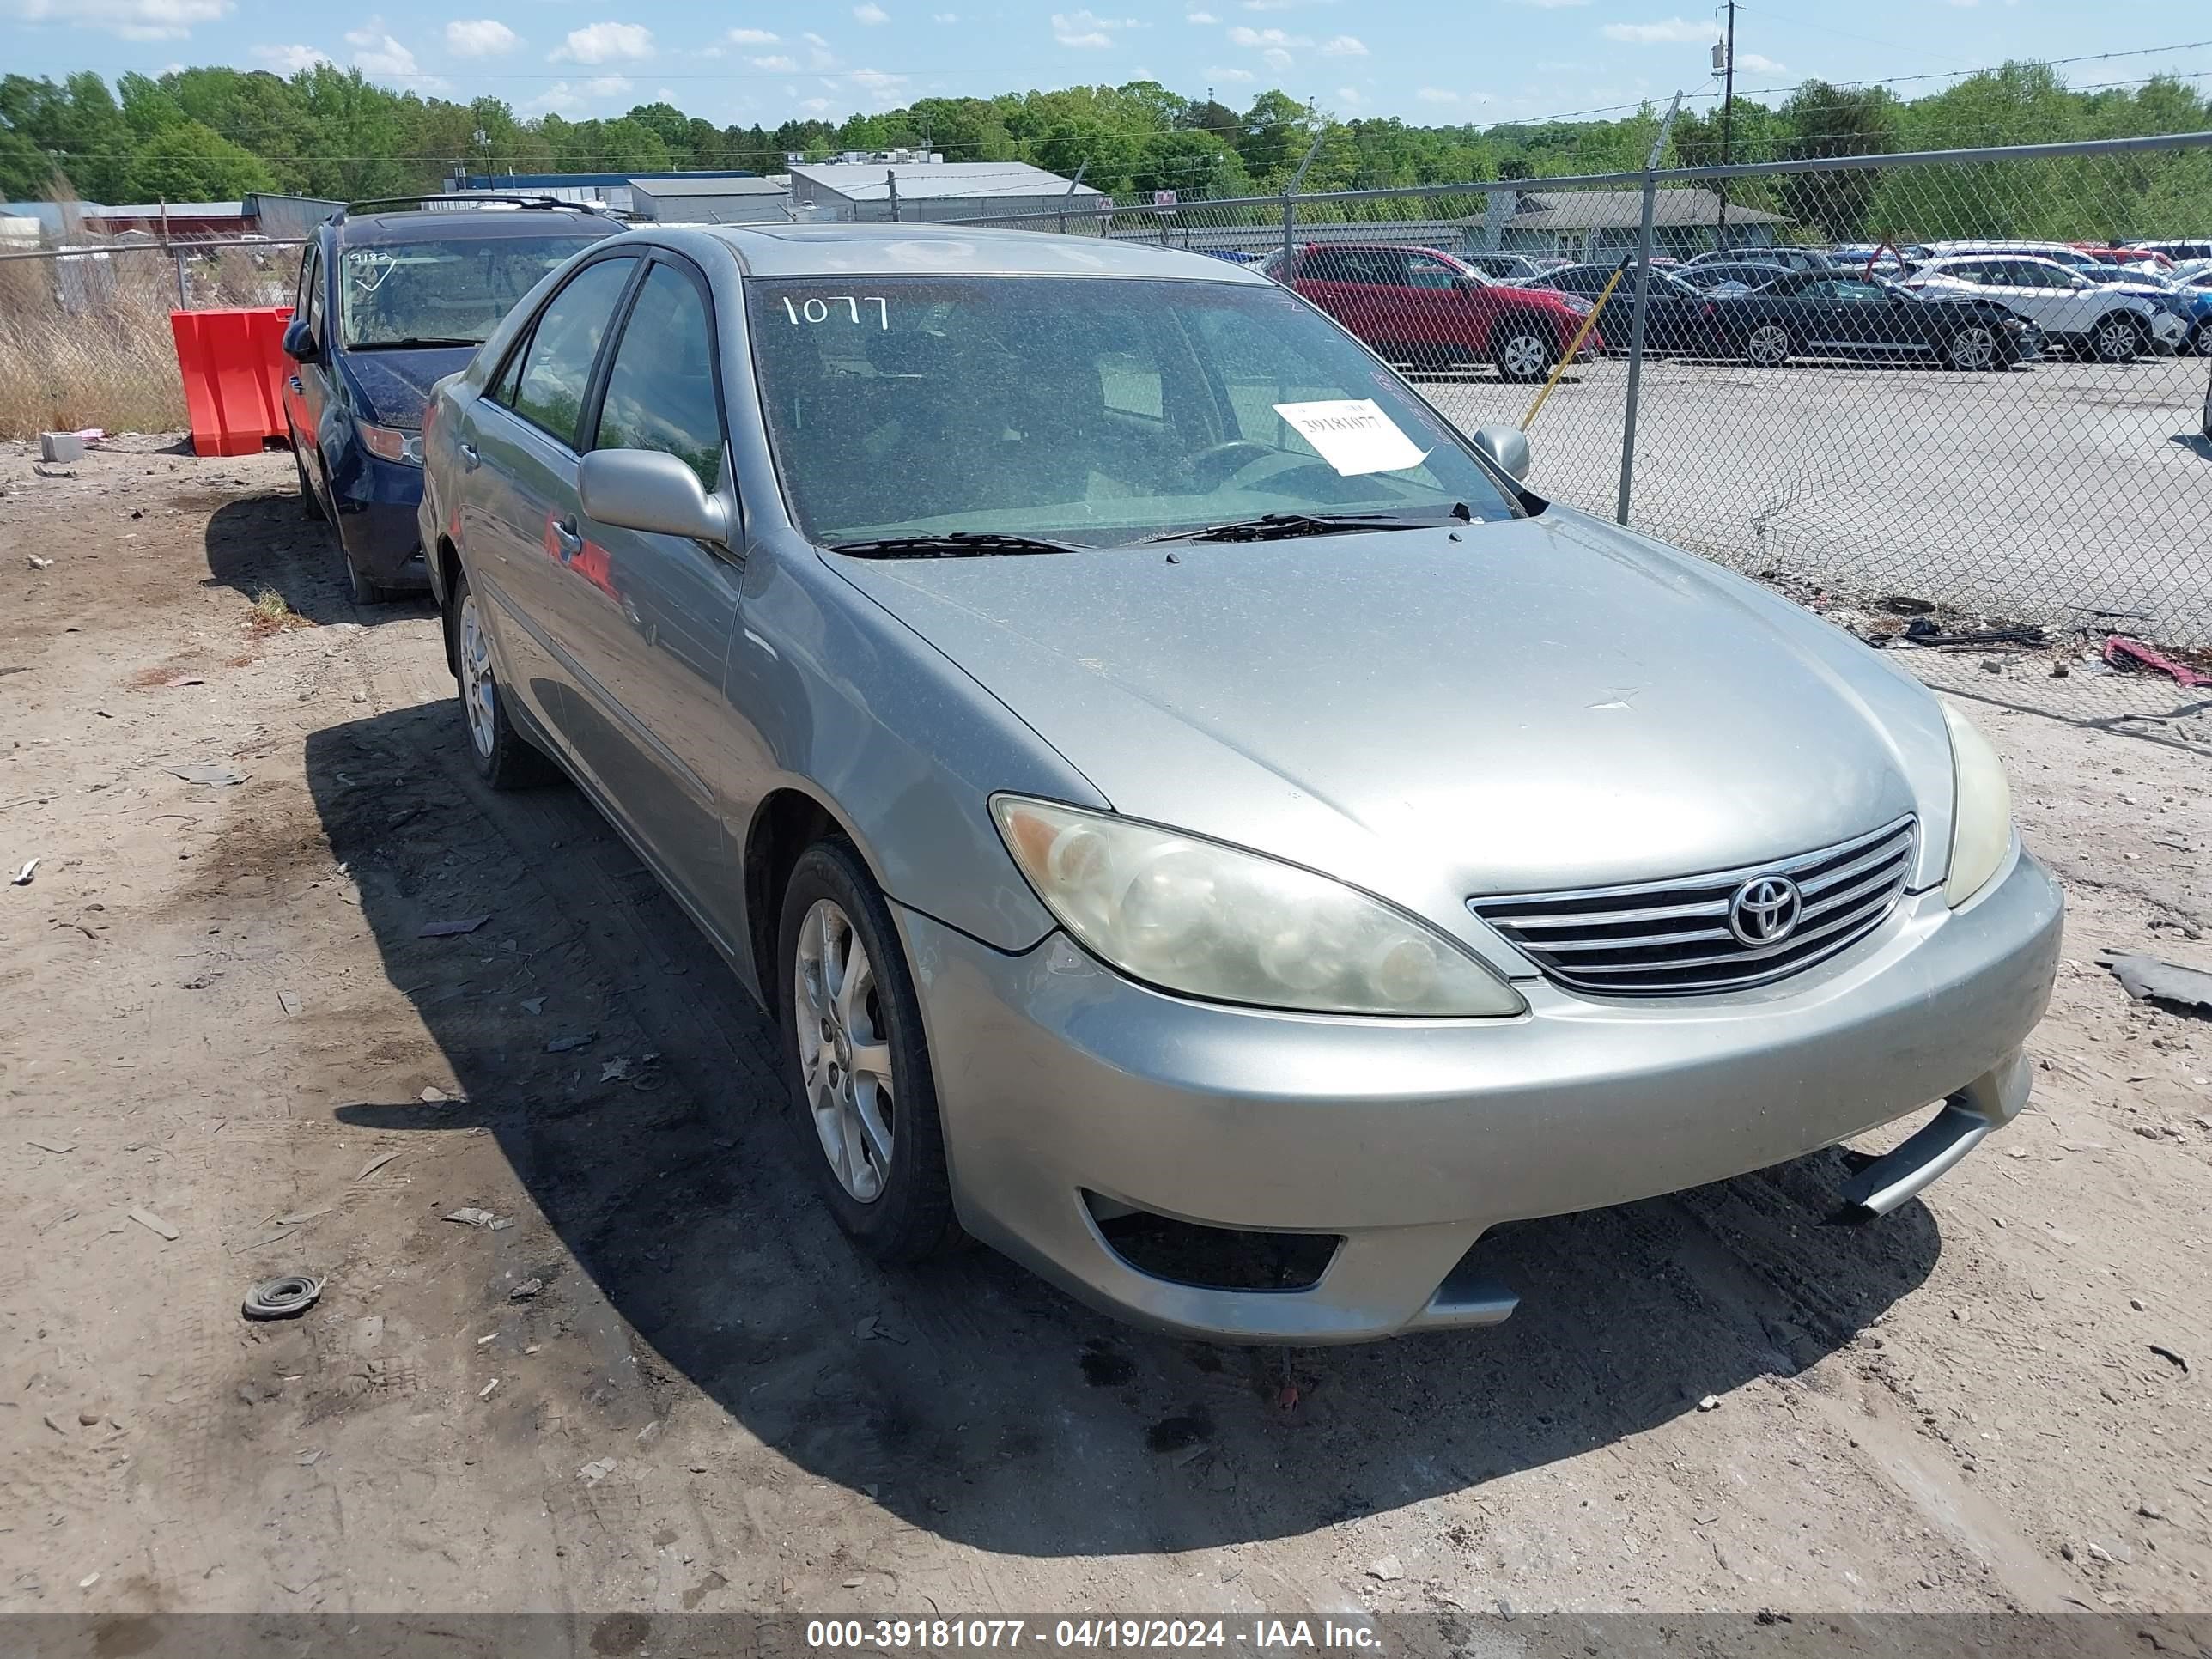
(709, 201)
(929, 188)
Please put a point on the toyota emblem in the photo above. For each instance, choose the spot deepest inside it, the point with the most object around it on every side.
(1765, 910)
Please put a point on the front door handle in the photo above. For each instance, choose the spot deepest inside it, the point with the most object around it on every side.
(298, 391)
(469, 460)
(568, 538)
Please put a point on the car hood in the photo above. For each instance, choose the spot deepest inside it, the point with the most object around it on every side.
(393, 388)
(1545, 703)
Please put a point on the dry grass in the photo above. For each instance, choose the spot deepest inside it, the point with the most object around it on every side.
(271, 615)
(85, 340)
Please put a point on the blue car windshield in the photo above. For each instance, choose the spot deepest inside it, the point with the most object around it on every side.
(1092, 410)
(394, 294)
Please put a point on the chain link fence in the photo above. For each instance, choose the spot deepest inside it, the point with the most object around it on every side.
(1908, 378)
(84, 330)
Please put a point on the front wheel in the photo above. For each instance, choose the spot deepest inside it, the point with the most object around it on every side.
(504, 758)
(857, 1067)
(1973, 347)
(2201, 341)
(1524, 352)
(2115, 340)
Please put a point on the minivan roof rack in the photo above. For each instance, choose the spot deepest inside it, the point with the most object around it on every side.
(469, 201)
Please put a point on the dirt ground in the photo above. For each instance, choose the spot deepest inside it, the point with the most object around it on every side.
(221, 1018)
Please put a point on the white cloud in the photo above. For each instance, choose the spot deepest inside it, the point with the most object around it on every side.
(751, 37)
(1674, 28)
(1276, 58)
(376, 52)
(1087, 29)
(567, 98)
(876, 81)
(1966, 3)
(1550, 5)
(944, 17)
(776, 64)
(606, 86)
(1237, 75)
(134, 20)
(820, 57)
(483, 36)
(871, 14)
(602, 43)
(816, 106)
(1348, 96)
(1345, 45)
(1751, 60)
(292, 59)
(1201, 17)
(1241, 36)
(1437, 95)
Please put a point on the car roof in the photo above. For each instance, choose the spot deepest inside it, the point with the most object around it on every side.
(468, 224)
(879, 249)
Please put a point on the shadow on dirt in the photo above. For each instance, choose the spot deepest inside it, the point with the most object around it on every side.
(259, 544)
(969, 1399)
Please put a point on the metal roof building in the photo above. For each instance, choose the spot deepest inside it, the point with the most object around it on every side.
(930, 190)
(1591, 223)
(700, 200)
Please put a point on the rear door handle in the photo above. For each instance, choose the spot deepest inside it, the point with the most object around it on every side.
(469, 460)
(568, 538)
(297, 389)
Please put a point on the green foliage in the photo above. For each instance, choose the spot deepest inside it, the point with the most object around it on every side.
(214, 132)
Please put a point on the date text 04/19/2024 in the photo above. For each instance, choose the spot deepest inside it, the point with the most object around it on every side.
(940, 1635)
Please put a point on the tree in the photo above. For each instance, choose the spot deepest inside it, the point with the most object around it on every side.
(1821, 120)
(190, 162)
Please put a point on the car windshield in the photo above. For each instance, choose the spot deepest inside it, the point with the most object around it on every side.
(1087, 409)
(395, 294)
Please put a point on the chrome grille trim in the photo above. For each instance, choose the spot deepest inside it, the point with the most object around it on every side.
(1672, 938)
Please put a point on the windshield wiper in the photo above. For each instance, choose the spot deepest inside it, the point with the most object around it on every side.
(1281, 527)
(949, 545)
(412, 343)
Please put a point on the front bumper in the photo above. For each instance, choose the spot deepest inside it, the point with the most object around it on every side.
(1408, 1139)
(376, 501)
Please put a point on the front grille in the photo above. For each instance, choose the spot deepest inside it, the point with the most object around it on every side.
(1671, 938)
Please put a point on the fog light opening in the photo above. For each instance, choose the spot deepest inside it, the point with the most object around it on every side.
(1211, 1258)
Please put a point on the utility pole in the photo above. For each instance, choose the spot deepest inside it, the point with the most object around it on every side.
(1727, 115)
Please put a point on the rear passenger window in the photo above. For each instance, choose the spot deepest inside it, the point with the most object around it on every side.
(556, 366)
(660, 391)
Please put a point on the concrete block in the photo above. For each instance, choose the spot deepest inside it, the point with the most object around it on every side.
(60, 447)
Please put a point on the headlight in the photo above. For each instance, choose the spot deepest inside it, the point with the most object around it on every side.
(1981, 826)
(393, 443)
(1581, 307)
(1209, 920)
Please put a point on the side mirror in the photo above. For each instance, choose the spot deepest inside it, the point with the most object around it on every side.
(1507, 446)
(648, 490)
(300, 344)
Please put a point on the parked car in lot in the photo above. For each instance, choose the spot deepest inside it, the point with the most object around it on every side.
(1424, 307)
(391, 297)
(1506, 267)
(1730, 275)
(2107, 254)
(1677, 317)
(2091, 320)
(1834, 313)
(1784, 259)
(2197, 248)
(1042, 665)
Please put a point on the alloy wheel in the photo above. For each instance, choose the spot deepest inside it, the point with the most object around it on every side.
(1524, 355)
(2116, 342)
(844, 1051)
(1974, 348)
(479, 691)
(1768, 346)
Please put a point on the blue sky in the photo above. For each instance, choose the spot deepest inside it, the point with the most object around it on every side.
(1424, 60)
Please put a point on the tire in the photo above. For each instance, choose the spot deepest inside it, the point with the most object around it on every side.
(504, 758)
(1767, 346)
(1523, 352)
(2200, 341)
(2117, 338)
(364, 590)
(857, 1064)
(1972, 347)
(311, 504)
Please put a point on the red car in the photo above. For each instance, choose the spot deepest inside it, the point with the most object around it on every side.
(2105, 255)
(1421, 305)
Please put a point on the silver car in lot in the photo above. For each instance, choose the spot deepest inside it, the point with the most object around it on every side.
(1199, 823)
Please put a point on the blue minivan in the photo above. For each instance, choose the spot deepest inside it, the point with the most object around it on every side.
(394, 295)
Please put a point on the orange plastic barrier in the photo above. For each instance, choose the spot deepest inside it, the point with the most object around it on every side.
(234, 369)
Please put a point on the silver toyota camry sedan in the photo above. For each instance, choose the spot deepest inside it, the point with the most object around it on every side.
(1201, 823)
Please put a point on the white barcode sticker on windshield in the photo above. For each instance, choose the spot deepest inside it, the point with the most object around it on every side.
(1353, 436)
